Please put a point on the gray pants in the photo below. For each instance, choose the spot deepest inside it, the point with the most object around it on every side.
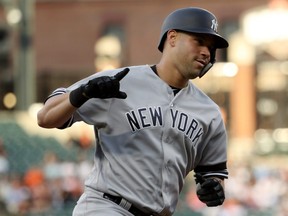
(92, 203)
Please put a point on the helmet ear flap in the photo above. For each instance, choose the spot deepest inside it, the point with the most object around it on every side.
(205, 69)
(209, 65)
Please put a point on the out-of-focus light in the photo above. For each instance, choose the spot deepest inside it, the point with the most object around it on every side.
(225, 69)
(281, 135)
(14, 16)
(108, 46)
(265, 143)
(241, 52)
(267, 107)
(108, 51)
(260, 26)
(230, 69)
(10, 100)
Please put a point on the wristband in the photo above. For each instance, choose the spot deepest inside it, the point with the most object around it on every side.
(77, 98)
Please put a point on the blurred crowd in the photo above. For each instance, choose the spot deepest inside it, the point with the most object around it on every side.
(251, 190)
(50, 188)
(54, 186)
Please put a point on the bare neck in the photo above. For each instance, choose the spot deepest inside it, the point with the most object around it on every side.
(169, 74)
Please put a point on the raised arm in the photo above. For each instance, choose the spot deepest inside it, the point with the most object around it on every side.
(58, 109)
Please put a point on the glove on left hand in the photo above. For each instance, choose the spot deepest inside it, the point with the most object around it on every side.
(100, 87)
(210, 191)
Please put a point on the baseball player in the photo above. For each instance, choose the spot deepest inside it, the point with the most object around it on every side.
(152, 124)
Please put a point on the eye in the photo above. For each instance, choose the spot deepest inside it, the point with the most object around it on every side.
(200, 41)
(205, 41)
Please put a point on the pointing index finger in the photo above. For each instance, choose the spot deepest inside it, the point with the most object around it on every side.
(121, 74)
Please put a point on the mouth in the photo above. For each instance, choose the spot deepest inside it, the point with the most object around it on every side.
(201, 62)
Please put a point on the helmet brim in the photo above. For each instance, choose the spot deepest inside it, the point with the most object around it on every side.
(220, 42)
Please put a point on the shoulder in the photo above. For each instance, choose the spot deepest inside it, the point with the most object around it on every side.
(133, 70)
(140, 73)
(205, 102)
(141, 69)
(200, 95)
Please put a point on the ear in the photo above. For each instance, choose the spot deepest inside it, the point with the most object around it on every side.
(171, 37)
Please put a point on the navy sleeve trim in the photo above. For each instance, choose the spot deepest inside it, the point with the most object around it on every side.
(217, 170)
(209, 168)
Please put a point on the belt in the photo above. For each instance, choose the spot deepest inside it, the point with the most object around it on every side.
(125, 204)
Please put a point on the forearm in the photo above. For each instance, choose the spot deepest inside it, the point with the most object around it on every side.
(56, 112)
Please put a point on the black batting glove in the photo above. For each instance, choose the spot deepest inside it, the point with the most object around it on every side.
(100, 87)
(210, 191)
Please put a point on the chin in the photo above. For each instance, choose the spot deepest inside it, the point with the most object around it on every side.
(194, 76)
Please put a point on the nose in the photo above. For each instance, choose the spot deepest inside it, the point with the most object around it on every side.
(205, 52)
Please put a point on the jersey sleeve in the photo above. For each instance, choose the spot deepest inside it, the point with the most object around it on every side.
(56, 92)
(214, 156)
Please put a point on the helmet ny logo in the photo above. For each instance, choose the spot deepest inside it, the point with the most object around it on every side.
(214, 25)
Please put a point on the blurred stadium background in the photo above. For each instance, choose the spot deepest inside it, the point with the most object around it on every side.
(45, 44)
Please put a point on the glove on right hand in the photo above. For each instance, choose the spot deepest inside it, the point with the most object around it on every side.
(210, 191)
(100, 87)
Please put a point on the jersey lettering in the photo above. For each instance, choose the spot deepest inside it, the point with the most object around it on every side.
(152, 117)
(190, 127)
(144, 117)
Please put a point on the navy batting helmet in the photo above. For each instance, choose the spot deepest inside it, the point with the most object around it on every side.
(194, 20)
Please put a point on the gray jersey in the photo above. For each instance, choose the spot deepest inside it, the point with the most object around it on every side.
(149, 142)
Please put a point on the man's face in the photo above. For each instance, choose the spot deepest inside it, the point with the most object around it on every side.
(192, 52)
